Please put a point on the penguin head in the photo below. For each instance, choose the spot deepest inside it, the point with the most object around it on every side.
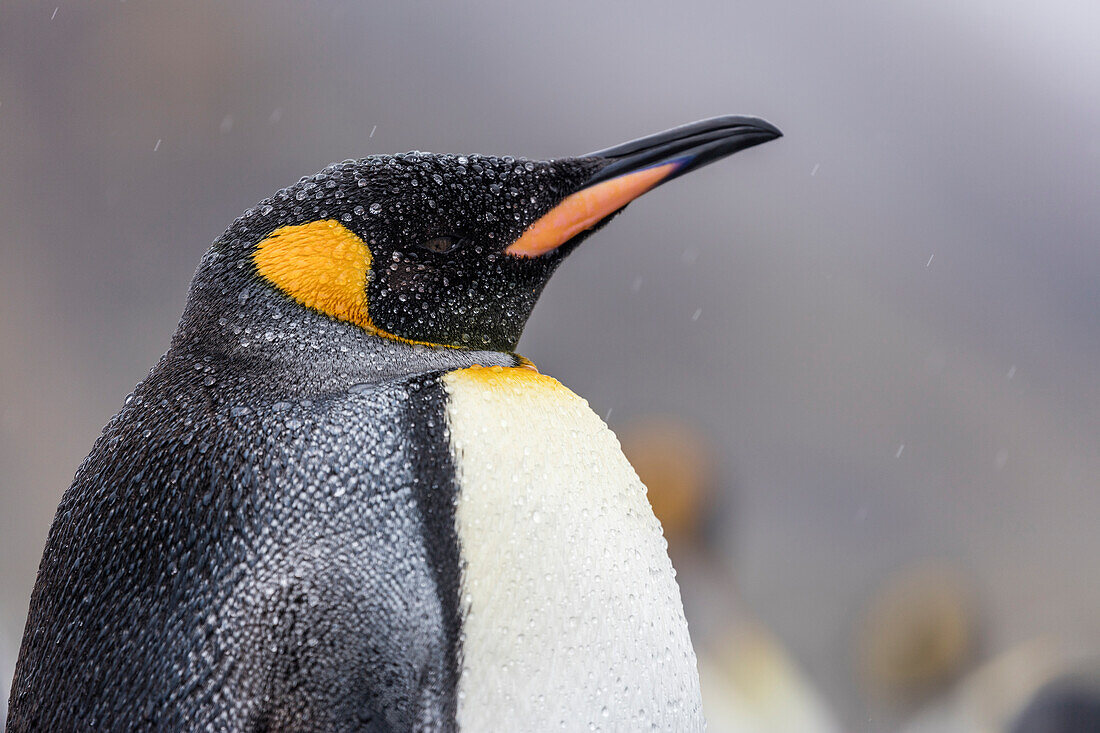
(454, 250)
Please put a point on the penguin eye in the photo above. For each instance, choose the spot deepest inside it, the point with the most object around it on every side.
(444, 243)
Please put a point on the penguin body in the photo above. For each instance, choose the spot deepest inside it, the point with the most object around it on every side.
(335, 590)
(341, 501)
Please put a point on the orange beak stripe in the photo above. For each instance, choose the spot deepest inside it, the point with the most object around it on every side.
(586, 208)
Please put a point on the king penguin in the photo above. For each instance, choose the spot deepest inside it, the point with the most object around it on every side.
(341, 501)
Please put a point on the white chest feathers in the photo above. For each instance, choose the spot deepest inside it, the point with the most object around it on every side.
(573, 619)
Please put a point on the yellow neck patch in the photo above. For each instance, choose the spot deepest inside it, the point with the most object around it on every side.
(493, 378)
(322, 265)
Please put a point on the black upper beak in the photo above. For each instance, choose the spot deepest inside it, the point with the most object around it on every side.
(635, 167)
(693, 146)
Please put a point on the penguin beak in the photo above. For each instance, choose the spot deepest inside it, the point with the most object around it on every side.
(635, 167)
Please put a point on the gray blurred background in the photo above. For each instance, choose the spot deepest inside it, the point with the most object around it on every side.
(886, 322)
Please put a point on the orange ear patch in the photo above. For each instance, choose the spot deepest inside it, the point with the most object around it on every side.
(323, 265)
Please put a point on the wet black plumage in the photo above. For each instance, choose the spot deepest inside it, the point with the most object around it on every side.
(240, 546)
(263, 538)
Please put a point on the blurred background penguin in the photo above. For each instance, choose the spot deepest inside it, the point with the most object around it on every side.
(749, 681)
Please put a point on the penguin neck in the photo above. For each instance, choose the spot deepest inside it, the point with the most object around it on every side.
(294, 349)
